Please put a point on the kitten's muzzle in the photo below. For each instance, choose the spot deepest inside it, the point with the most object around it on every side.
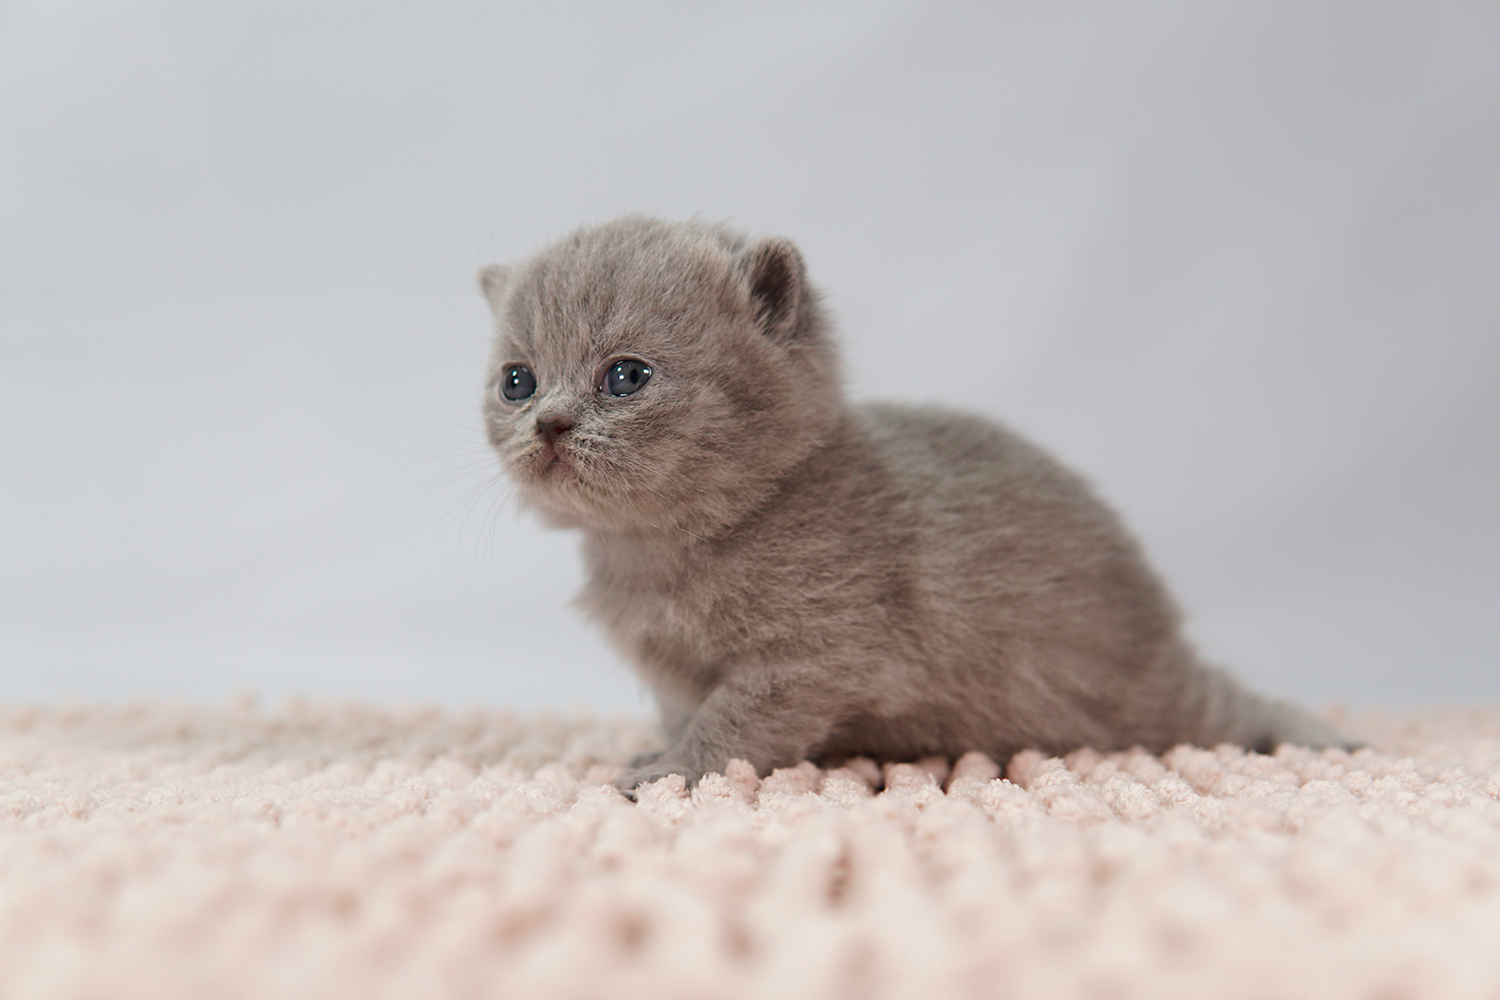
(549, 429)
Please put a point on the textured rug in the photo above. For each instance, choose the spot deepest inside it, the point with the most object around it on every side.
(327, 851)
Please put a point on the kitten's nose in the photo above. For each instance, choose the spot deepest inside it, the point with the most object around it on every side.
(552, 428)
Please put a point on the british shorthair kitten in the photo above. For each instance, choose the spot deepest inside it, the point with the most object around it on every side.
(798, 577)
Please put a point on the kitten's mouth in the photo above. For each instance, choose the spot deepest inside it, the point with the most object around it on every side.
(551, 462)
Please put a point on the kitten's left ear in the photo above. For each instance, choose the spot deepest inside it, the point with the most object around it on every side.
(492, 281)
(778, 281)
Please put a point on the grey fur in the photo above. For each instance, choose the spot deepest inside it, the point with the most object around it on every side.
(796, 577)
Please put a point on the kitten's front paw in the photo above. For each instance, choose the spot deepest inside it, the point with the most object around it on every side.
(643, 759)
(635, 777)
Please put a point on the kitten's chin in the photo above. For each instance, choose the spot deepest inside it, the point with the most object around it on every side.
(554, 506)
(565, 519)
(561, 507)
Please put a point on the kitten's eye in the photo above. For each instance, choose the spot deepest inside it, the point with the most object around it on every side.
(517, 383)
(626, 377)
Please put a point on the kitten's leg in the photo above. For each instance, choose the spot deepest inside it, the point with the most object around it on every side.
(771, 719)
(675, 711)
(1235, 714)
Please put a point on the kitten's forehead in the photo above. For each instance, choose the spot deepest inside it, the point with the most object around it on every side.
(607, 287)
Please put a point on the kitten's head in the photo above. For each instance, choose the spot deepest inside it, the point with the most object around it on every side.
(656, 375)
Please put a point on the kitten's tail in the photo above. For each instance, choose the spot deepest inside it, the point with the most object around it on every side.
(1232, 713)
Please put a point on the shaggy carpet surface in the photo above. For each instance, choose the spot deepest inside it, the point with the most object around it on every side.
(329, 851)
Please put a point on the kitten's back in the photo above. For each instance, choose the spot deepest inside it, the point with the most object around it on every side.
(1037, 599)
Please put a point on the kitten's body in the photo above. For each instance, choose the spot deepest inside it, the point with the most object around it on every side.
(795, 577)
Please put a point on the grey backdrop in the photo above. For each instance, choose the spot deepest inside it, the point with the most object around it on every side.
(1236, 262)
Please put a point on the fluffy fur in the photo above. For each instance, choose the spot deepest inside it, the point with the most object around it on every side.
(796, 577)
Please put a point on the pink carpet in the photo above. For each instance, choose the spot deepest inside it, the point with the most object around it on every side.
(331, 851)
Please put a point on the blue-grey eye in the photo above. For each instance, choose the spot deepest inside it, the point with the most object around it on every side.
(626, 377)
(517, 383)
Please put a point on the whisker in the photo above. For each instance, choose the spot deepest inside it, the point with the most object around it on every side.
(461, 424)
(472, 499)
(451, 477)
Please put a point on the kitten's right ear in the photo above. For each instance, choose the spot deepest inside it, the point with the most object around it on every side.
(778, 281)
(492, 281)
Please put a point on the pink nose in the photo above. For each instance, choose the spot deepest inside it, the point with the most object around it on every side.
(552, 428)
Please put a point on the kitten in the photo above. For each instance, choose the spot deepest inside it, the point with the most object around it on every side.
(796, 577)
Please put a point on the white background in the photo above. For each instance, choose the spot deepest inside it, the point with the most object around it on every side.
(1237, 262)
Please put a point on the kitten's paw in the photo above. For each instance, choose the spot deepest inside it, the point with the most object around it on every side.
(1314, 733)
(644, 759)
(635, 777)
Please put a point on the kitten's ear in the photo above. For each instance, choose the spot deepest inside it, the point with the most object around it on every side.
(492, 281)
(778, 280)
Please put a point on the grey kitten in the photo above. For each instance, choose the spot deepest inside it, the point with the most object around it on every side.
(796, 577)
